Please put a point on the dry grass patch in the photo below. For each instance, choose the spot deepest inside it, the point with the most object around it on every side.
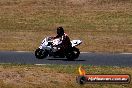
(32, 76)
(103, 25)
(92, 41)
(54, 76)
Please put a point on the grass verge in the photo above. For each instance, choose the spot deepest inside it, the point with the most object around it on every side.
(102, 25)
(55, 76)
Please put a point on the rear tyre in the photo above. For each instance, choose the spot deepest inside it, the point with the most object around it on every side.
(40, 53)
(73, 54)
(76, 52)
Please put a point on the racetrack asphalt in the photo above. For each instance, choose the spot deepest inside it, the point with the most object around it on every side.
(98, 59)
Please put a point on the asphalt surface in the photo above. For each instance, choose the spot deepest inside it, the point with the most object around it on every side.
(98, 59)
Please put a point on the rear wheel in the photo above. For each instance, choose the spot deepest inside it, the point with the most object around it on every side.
(76, 52)
(73, 53)
(40, 53)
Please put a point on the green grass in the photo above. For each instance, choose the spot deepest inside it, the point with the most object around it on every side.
(55, 76)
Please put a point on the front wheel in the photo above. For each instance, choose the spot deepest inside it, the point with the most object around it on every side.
(73, 53)
(40, 53)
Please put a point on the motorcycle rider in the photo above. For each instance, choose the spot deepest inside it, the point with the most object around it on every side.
(64, 38)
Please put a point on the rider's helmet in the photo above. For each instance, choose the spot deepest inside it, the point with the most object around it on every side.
(60, 31)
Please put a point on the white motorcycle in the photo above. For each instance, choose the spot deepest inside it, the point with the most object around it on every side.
(48, 48)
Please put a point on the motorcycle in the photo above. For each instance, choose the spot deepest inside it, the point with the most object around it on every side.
(48, 48)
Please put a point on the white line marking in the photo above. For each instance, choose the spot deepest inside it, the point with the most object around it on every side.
(80, 52)
(125, 53)
(22, 51)
(41, 64)
(31, 51)
(85, 52)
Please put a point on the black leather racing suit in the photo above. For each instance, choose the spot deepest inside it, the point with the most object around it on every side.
(65, 42)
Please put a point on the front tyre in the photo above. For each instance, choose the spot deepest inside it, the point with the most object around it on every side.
(40, 53)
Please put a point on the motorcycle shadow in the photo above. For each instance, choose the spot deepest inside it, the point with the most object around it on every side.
(64, 59)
